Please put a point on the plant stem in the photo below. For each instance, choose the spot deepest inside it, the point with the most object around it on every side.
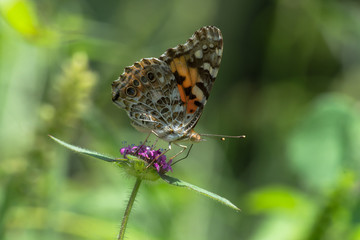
(128, 209)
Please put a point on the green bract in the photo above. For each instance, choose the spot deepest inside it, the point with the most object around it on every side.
(137, 168)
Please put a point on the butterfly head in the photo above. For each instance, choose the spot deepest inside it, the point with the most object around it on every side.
(195, 137)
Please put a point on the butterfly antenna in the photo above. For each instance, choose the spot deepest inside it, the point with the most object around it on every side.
(222, 137)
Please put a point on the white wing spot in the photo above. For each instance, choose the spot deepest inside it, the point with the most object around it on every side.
(207, 66)
(155, 96)
(178, 108)
(199, 54)
(162, 80)
(214, 72)
(198, 93)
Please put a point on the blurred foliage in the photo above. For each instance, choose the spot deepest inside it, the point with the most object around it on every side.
(289, 80)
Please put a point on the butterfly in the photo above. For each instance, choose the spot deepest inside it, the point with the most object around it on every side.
(167, 95)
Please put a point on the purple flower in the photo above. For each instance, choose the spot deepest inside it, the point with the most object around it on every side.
(149, 155)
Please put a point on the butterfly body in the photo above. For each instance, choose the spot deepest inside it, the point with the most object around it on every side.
(166, 95)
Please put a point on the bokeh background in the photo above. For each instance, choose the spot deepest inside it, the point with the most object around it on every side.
(289, 80)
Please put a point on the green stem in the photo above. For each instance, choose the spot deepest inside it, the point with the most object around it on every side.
(128, 209)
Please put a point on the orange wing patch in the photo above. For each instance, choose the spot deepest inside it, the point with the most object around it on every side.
(182, 69)
(182, 93)
(187, 78)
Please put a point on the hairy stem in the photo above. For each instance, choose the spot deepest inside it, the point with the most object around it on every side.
(128, 209)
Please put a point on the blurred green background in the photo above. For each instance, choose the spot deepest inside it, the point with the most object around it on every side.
(289, 80)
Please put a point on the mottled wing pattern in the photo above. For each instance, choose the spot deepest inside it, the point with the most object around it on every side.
(166, 96)
(146, 91)
(195, 65)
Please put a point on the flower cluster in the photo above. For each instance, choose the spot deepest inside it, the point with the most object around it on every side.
(149, 155)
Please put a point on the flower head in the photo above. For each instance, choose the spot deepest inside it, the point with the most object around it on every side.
(149, 155)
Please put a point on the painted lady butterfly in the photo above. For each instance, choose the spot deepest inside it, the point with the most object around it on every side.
(166, 95)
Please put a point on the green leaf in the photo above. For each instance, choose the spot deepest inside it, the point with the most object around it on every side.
(180, 183)
(88, 152)
(132, 165)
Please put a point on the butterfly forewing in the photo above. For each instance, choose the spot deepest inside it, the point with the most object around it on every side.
(195, 65)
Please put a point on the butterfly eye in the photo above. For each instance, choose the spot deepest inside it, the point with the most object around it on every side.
(131, 91)
(151, 76)
(136, 83)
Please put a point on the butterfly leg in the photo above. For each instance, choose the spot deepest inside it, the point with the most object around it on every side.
(147, 138)
(143, 144)
(187, 154)
(156, 141)
(152, 162)
(154, 145)
(180, 152)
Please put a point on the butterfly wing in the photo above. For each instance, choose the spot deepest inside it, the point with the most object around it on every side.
(146, 92)
(195, 65)
(166, 96)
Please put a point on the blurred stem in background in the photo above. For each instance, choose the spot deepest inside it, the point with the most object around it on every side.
(336, 214)
(41, 181)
